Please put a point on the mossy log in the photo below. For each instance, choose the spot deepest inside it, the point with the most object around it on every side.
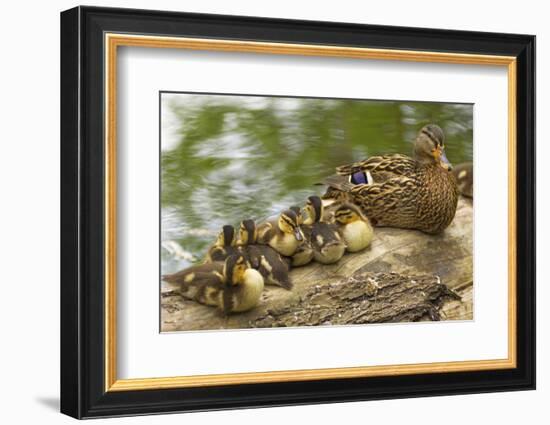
(405, 275)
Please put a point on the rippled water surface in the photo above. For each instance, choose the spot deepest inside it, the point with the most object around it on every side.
(228, 158)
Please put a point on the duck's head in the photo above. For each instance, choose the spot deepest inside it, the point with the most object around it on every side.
(226, 237)
(234, 268)
(349, 213)
(298, 212)
(288, 223)
(313, 209)
(247, 233)
(429, 147)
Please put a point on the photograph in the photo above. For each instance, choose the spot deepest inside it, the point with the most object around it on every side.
(299, 211)
(344, 209)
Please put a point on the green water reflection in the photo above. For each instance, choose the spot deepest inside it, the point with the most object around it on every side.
(227, 158)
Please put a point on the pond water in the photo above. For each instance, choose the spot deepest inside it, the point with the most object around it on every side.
(228, 158)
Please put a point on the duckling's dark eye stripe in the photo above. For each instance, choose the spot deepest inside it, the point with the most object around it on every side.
(289, 221)
(345, 215)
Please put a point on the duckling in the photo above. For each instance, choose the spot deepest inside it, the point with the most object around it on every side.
(263, 258)
(230, 285)
(354, 227)
(298, 211)
(282, 234)
(224, 245)
(304, 253)
(328, 246)
(464, 174)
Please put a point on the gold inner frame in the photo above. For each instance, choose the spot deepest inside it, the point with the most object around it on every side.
(113, 41)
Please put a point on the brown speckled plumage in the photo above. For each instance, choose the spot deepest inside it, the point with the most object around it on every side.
(414, 193)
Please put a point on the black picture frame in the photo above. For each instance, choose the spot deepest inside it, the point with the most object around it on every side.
(83, 392)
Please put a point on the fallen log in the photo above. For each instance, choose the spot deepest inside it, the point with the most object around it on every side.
(364, 298)
(420, 277)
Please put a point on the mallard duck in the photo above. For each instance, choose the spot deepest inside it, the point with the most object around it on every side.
(400, 191)
(328, 246)
(464, 174)
(354, 227)
(283, 234)
(230, 285)
(263, 258)
(224, 245)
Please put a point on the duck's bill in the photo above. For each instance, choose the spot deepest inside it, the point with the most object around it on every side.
(444, 162)
(298, 234)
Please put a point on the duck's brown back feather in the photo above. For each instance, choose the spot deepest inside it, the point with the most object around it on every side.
(385, 165)
(404, 194)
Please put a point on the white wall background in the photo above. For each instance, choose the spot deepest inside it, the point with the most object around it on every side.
(29, 213)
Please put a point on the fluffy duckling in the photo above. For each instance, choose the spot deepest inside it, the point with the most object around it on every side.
(230, 285)
(328, 246)
(282, 234)
(464, 174)
(298, 211)
(224, 245)
(354, 227)
(304, 252)
(263, 258)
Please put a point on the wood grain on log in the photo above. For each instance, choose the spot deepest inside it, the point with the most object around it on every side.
(364, 298)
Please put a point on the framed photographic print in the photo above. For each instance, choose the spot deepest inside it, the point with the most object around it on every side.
(261, 212)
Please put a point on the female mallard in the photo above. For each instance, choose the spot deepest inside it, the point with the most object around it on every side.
(399, 191)
(230, 285)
